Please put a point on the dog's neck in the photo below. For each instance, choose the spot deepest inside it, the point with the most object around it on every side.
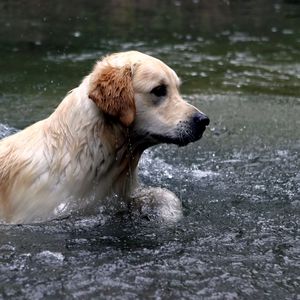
(109, 145)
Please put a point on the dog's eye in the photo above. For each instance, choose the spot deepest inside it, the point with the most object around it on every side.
(159, 91)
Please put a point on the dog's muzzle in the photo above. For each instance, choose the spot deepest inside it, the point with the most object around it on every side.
(186, 132)
(198, 124)
(192, 130)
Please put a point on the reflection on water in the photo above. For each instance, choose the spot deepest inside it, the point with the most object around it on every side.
(240, 185)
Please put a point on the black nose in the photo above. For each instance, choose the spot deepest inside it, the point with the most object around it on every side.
(201, 119)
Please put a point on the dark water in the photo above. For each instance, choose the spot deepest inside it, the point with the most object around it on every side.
(240, 185)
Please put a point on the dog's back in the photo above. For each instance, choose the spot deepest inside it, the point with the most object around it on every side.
(46, 164)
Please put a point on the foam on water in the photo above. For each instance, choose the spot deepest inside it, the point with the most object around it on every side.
(157, 169)
(50, 256)
(5, 130)
(73, 57)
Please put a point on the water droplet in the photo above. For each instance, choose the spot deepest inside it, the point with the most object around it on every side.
(77, 34)
(287, 31)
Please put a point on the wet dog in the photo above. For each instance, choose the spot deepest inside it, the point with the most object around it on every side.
(89, 147)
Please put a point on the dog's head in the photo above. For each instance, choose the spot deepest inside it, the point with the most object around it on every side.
(142, 93)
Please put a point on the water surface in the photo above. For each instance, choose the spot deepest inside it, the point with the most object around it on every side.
(240, 185)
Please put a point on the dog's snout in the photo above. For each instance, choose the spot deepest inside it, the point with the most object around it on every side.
(201, 119)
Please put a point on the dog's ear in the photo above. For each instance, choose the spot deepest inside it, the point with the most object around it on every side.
(112, 91)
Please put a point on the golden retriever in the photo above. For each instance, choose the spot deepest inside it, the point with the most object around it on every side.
(89, 147)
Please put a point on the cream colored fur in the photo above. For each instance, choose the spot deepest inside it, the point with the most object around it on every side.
(80, 154)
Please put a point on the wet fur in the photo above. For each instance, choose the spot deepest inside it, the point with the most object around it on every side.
(111, 89)
(89, 147)
(64, 156)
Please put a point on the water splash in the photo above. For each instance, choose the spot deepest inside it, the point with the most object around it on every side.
(5, 130)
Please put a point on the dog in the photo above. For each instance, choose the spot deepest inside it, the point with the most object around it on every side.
(90, 146)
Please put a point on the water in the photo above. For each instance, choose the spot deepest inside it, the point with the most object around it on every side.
(240, 184)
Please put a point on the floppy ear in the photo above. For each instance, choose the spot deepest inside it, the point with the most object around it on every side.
(112, 91)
